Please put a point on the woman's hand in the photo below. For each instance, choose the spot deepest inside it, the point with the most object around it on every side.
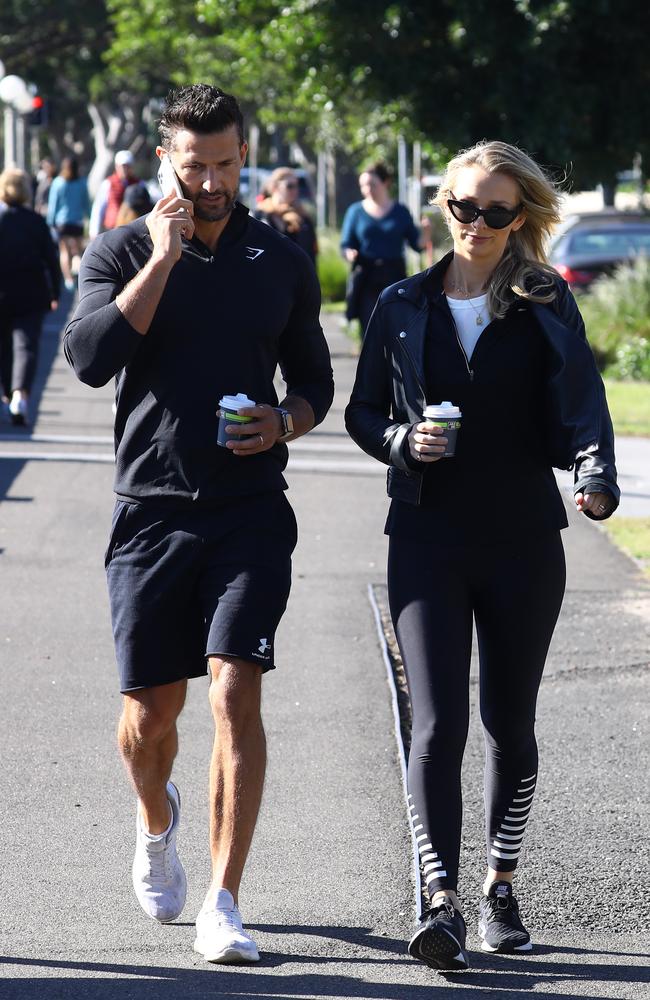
(597, 504)
(351, 254)
(426, 443)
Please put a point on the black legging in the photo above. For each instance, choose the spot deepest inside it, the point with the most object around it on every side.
(19, 341)
(514, 593)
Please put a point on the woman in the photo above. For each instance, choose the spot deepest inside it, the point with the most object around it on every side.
(282, 210)
(372, 239)
(493, 329)
(45, 176)
(68, 208)
(29, 288)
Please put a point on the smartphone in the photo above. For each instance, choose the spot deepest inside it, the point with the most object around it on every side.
(168, 179)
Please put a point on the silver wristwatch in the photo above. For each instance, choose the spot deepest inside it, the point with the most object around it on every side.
(287, 423)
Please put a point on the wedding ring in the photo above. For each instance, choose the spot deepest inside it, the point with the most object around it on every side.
(601, 506)
(418, 456)
(261, 440)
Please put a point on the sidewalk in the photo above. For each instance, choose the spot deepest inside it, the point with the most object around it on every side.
(329, 890)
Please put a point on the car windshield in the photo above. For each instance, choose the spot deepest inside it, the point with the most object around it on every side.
(620, 242)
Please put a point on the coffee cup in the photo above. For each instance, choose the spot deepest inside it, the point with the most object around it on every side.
(228, 413)
(447, 416)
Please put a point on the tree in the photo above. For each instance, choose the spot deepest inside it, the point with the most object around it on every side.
(566, 79)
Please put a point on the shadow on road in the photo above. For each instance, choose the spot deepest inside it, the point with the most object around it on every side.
(510, 976)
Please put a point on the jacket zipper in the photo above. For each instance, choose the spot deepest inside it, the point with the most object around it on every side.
(470, 371)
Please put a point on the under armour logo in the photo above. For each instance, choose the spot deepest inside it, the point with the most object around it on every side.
(253, 254)
(264, 645)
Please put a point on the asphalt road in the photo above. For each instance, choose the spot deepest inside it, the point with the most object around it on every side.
(329, 888)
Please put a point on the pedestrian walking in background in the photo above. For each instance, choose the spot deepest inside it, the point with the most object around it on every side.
(109, 197)
(195, 302)
(45, 176)
(68, 208)
(282, 210)
(372, 238)
(492, 329)
(30, 280)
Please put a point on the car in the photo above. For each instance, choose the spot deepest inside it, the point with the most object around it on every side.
(593, 244)
(251, 183)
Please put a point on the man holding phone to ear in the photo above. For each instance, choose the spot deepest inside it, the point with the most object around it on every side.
(195, 301)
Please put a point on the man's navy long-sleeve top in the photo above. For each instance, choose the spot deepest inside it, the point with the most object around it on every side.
(224, 323)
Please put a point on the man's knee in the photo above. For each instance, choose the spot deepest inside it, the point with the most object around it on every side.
(235, 691)
(150, 714)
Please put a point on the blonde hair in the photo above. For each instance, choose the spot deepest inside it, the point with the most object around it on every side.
(523, 271)
(15, 187)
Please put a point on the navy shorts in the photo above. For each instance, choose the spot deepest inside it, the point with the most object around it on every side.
(185, 584)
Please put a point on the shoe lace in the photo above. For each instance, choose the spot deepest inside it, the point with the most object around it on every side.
(227, 918)
(445, 905)
(158, 864)
(499, 907)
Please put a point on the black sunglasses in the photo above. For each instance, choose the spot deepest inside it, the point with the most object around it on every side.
(495, 218)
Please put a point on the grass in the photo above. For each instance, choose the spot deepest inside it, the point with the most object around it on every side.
(629, 404)
(632, 535)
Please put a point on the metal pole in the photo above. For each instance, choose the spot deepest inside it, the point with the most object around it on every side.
(402, 181)
(10, 136)
(321, 190)
(20, 141)
(254, 142)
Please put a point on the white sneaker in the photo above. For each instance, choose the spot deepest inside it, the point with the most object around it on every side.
(18, 410)
(158, 876)
(220, 936)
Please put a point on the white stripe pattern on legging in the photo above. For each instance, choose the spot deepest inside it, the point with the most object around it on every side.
(432, 866)
(508, 839)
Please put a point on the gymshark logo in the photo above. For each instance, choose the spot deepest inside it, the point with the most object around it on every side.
(263, 646)
(253, 254)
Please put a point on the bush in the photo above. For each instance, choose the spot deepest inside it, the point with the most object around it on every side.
(632, 361)
(616, 311)
(332, 268)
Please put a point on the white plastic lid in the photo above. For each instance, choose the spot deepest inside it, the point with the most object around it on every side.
(442, 411)
(236, 403)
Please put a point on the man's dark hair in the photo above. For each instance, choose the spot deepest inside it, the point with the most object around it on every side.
(199, 108)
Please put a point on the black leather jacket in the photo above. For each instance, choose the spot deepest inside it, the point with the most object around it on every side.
(388, 394)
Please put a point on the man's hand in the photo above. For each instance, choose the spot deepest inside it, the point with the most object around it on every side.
(259, 435)
(170, 219)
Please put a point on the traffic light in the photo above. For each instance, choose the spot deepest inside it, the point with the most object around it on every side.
(39, 112)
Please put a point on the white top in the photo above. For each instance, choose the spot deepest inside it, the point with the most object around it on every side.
(471, 317)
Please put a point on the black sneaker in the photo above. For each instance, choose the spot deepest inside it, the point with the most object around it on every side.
(499, 925)
(440, 939)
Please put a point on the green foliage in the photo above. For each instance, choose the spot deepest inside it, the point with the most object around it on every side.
(632, 361)
(332, 268)
(617, 317)
(567, 79)
(57, 47)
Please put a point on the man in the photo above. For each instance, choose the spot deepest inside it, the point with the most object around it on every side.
(196, 301)
(111, 194)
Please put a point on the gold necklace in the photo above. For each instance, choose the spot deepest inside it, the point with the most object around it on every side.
(468, 298)
(477, 312)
